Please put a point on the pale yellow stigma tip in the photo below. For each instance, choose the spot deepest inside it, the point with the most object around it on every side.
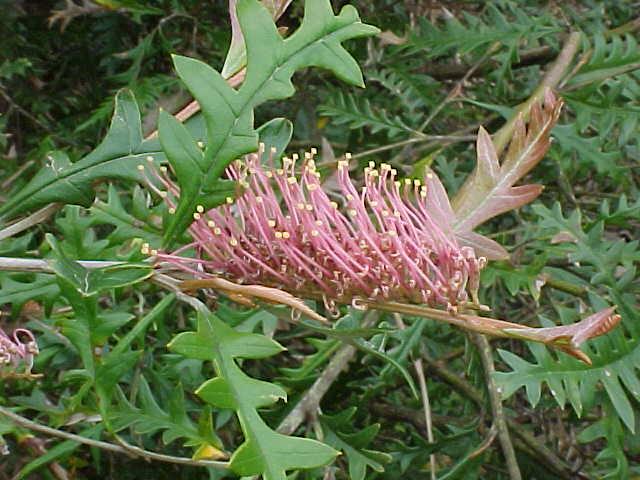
(285, 235)
(347, 155)
(307, 155)
(261, 146)
(233, 242)
(200, 144)
(319, 223)
(372, 164)
(269, 174)
(407, 181)
(429, 175)
(271, 223)
(163, 169)
(172, 211)
(334, 204)
(145, 245)
(300, 206)
(229, 200)
(196, 216)
(163, 194)
(314, 233)
(273, 149)
(314, 151)
(141, 167)
(397, 183)
(295, 156)
(217, 231)
(258, 199)
(278, 234)
(309, 207)
(353, 212)
(392, 233)
(416, 183)
(200, 209)
(292, 180)
(149, 158)
(154, 252)
(211, 223)
(280, 171)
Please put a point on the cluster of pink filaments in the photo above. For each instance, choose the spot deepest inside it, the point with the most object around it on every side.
(20, 348)
(388, 240)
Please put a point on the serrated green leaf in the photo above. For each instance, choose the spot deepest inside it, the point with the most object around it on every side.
(271, 62)
(117, 157)
(264, 452)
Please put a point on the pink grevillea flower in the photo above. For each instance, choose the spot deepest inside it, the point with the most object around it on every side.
(20, 348)
(387, 240)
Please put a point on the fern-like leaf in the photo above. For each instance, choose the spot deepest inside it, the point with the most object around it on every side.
(346, 109)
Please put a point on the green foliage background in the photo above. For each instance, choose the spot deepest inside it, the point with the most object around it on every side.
(57, 90)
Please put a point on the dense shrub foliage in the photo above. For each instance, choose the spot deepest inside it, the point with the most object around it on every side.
(222, 257)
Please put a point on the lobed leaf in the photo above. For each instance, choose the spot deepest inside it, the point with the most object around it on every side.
(490, 190)
(264, 451)
(117, 157)
(228, 113)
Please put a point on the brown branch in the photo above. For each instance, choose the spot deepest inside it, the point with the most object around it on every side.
(424, 396)
(308, 405)
(547, 458)
(36, 446)
(35, 218)
(453, 71)
(495, 399)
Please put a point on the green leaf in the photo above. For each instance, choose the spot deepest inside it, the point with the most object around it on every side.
(228, 113)
(117, 157)
(264, 452)
(128, 225)
(148, 417)
(276, 133)
(338, 433)
(62, 449)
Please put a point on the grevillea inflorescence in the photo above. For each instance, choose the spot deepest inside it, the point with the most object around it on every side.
(388, 240)
(19, 348)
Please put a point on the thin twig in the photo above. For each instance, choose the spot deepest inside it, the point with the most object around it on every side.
(310, 402)
(13, 177)
(464, 388)
(495, 399)
(434, 139)
(457, 88)
(424, 394)
(42, 266)
(130, 449)
(30, 221)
